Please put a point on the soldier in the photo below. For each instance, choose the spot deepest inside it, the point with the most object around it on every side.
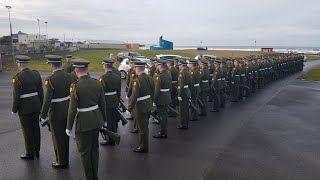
(255, 76)
(67, 67)
(115, 70)
(235, 81)
(216, 87)
(204, 85)
(88, 109)
(211, 70)
(162, 97)
(174, 90)
(140, 104)
(56, 102)
(261, 74)
(111, 83)
(27, 100)
(184, 95)
(223, 84)
(248, 75)
(152, 67)
(195, 87)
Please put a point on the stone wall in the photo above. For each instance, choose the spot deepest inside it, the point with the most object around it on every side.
(34, 56)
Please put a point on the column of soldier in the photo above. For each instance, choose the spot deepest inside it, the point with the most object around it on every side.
(73, 97)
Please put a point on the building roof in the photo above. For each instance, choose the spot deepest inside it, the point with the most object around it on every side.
(104, 42)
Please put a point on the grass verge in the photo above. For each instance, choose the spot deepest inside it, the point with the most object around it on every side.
(312, 75)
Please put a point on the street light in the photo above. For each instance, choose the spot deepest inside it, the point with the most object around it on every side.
(39, 27)
(9, 7)
(47, 29)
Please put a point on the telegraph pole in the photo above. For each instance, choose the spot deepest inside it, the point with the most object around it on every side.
(47, 29)
(9, 7)
(39, 27)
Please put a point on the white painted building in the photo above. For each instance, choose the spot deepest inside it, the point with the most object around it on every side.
(103, 44)
(30, 38)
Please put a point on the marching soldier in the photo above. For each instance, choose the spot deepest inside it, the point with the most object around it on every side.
(162, 97)
(255, 76)
(204, 85)
(195, 87)
(88, 109)
(174, 90)
(27, 101)
(184, 95)
(235, 81)
(56, 102)
(223, 84)
(248, 75)
(140, 104)
(216, 87)
(211, 70)
(111, 83)
(152, 68)
(67, 67)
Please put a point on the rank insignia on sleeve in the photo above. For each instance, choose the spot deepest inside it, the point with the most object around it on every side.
(134, 83)
(132, 75)
(71, 89)
(46, 82)
(13, 80)
(157, 78)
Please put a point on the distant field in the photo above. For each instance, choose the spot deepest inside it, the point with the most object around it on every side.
(95, 56)
(312, 75)
(312, 58)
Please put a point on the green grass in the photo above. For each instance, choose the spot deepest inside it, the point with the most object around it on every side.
(313, 58)
(312, 75)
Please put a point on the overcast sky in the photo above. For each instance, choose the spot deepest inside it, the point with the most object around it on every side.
(185, 22)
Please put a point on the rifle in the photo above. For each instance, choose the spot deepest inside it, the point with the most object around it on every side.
(114, 136)
(173, 111)
(200, 103)
(122, 106)
(192, 105)
(154, 115)
(122, 119)
(46, 123)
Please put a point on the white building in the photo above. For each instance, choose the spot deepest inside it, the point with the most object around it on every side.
(103, 44)
(28, 40)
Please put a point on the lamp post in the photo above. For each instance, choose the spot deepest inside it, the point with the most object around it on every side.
(9, 7)
(39, 27)
(47, 29)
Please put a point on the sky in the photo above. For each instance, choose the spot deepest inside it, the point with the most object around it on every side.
(185, 22)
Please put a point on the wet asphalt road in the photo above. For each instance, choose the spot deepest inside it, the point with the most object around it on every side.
(274, 134)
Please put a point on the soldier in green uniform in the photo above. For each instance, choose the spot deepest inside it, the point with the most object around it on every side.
(115, 70)
(162, 96)
(67, 67)
(111, 83)
(195, 87)
(56, 103)
(248, 75)
(174, 90)
(152, 67)
(255, 75)
(204, 85)
(27, 101)
(184, 95)
(88, 109)
(140, 104)
(223, 84)
(216, 86)
(211, 70)
(235, 81)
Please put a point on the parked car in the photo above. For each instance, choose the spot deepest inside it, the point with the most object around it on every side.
(206, 56)
(136, 55)
(167, 56)
(124, 67)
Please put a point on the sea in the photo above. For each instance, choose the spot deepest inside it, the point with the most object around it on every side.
(280, 49)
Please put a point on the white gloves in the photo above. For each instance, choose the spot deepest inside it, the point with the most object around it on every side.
(127, 97)
(179, 98)
(68, 132)
(127, 112)
(42, 121)
(104, 126)
(13, 113)
(154, 104)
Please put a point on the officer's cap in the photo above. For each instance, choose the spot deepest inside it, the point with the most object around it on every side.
(193, 61)
(153, 60)
(133, 60)
(108, 61)
(80, 63)
(139, 64)
(53, 59)
(182, 62)
(203, 61)
(69, 56)
(217, 62)
(22, 58)
(162, 62)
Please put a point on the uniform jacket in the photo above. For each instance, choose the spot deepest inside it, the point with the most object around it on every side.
(111, 83)
(163, 83)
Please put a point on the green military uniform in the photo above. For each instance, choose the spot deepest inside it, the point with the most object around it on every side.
(261, 74)
(116, 71)
(129, 82)
(235, 83)
(204, 85)
(248, 75)
(74, 77)
(152, 70)
(67, 67)
(88, 109)
(184, 94)
(162, 98)
(27, 100)
(174, 90)
(211, 70)
(140, 104)
(255, 76)
(111, 83)
(56, 102)
(216, 84)
(194, 88)
(223, 84)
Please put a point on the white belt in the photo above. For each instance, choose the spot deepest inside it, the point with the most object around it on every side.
(28, 95)
(60, 99)
(237, 75)
(211, 74)
(249, 73)
(256, 71)
(219, 79)
(186, 86)
(174, 82)
(164, 90)
(205, 81)
(242, 74)
(195, 85)
(88, 109)
(110, 93)
(223, 79)
(143, 98)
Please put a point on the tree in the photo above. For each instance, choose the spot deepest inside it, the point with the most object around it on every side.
(5, 40)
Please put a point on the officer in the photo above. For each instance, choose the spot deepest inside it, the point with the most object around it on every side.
(140, 104)
(204, 85)
(67, 67)
(162, 96)
(152, 67)
(195, 87)
(235, 81)
(88, 109)
(184, 95)
(111, 83)
(216, 86)
(174, 90)
(56, 102)
(27, 100)
(131, 75)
